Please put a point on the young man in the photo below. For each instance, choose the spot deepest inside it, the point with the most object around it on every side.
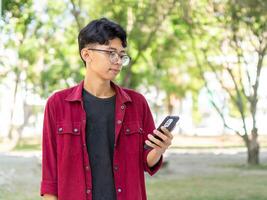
(94, 133)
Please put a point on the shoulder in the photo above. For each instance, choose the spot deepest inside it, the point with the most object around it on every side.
(60, 95)
(134, 94)
(137, 99)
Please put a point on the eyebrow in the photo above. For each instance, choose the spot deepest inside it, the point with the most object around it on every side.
(122, 51)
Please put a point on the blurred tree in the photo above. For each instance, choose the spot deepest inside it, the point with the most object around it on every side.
(18, 17)
(44, 37)
(41, 38)
(150, 41)
(163, 38)
(229, 40)
(142, 20)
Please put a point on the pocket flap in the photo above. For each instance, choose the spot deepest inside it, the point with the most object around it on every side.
(71, 128)
(132, 128)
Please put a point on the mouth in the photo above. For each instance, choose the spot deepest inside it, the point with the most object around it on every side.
(114, 70)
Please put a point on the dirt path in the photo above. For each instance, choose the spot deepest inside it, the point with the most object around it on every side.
(19, 176)
(183, 163)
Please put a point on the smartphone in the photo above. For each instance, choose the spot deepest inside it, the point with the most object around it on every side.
(169, 122)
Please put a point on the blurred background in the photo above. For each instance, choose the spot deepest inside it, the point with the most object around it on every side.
(204, 60)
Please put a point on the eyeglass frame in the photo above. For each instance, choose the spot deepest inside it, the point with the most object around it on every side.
(110, 52)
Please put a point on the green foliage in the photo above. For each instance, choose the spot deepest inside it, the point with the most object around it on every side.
(168, 41)
(50, 43)
(223, 36)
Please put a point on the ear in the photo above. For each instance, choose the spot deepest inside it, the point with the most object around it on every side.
(86, 55)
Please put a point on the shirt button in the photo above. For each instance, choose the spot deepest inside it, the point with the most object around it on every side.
(119, 190)
(88, 191)
(127, 130)
(119, 122)
(60, 129)
(116, 167)
(87, 168)
(84, 145)
(122, 107)
(75, 130)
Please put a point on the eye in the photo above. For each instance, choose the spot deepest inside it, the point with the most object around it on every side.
(113, 54)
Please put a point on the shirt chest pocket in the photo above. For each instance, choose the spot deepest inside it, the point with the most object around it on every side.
(133, 136)
(69, 138)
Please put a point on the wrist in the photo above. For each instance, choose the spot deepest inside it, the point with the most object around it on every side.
(160, 152)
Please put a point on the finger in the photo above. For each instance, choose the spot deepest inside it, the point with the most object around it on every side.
(165, 139)
(160, 135)
(166, 132)
(155, 140)
(168, 136)
(151, 144)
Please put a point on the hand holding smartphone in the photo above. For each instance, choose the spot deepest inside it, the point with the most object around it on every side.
(169, 122)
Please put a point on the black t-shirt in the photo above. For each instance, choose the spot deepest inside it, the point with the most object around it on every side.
(100, 136)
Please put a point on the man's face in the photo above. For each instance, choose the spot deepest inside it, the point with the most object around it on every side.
(106, 60)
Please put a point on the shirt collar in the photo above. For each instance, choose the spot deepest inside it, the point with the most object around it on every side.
(76, 93)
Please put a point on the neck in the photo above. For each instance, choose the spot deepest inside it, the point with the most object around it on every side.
(98, 87)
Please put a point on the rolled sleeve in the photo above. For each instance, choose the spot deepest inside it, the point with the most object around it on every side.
(151, 170)
(48, 187)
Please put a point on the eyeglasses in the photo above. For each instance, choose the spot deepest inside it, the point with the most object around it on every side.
(114, 56)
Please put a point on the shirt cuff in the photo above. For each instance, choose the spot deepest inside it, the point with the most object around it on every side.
(151, 170)
(48, 187)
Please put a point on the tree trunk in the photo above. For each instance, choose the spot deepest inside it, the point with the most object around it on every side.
(253, 149)
(28, 111)
(11, 126)
(170, 105)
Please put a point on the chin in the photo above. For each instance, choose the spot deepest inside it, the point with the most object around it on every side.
(110, 78)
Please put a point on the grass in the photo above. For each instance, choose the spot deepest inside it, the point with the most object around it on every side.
(218, 187)
(28, 144)
(19, 195)
(28, 147)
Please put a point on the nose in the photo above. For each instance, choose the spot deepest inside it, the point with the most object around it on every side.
(118, 60)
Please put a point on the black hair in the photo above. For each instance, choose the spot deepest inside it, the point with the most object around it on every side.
(101, 31)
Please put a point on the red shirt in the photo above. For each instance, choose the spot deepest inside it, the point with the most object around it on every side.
(65, 167)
